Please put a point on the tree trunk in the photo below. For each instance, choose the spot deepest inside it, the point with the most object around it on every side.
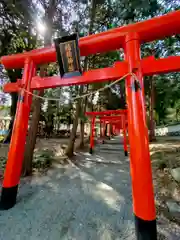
(70, 148)
(81, 145)
(151, 114)
(32, 133)
(31, 138)
(82, 124)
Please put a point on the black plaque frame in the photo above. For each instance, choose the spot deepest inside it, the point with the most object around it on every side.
(60, 43)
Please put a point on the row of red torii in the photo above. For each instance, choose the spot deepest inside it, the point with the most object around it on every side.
(129, 38)
(116, 120)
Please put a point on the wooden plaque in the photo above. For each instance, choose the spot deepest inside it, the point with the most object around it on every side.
(68, 55)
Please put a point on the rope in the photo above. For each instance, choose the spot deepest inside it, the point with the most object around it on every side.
(78, 97)
(85, 95)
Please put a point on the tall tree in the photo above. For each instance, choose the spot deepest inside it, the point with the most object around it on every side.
(50, 8)
(79, 107)
(15, 38)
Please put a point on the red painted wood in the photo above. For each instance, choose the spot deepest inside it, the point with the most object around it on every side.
(107, 112)
(149, 30)
(151, 66)
(158, 66)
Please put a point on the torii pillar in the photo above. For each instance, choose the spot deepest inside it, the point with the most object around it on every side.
(140, 163)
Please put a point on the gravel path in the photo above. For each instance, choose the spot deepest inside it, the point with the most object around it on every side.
(85, 201)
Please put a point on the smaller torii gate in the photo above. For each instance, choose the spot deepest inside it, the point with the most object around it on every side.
(119, 118)
(121, 123)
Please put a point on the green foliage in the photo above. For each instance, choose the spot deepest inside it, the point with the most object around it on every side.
(161, 164)
(18, 34)
(167, 95)
(3, 162)
(43, 159)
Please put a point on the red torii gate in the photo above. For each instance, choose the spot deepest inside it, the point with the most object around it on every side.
(129, 38)
(107, 113)
(120, 122)
(106, 116)
(114, 122)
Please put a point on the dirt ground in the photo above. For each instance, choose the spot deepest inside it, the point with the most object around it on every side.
(165, 155)
(57, 146)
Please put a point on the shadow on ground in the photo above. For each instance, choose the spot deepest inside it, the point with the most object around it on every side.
(84, 201)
